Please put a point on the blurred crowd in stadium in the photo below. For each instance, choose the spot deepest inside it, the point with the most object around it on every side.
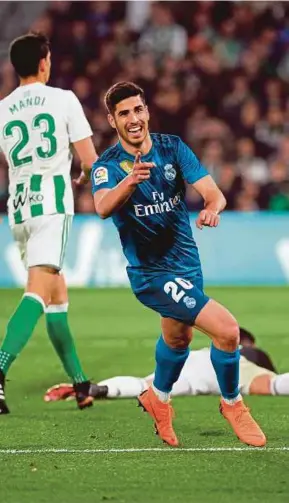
(215, 73)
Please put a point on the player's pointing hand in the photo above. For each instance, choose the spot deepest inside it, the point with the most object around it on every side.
(141, 170)
(207, 218)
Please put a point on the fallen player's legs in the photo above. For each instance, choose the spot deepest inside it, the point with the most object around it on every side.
(114, 387)
(121, 387)
(131, 387)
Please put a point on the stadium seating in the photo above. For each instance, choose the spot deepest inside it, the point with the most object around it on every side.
(215, 74)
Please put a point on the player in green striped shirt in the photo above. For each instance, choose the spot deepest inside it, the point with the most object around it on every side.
(38, 126)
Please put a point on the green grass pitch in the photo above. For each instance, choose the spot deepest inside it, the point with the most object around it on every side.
(116, 335)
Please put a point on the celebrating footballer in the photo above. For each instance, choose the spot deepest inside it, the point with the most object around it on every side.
(140, 183)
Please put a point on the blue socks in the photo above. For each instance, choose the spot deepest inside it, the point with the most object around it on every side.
(171, 361)
(169, 365)
(226, 366)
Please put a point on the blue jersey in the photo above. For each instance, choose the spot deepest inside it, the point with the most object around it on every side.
(154, 225)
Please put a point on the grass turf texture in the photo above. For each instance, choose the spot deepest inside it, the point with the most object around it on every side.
(116, 335)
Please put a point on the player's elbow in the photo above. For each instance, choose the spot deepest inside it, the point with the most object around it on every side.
(101, 213)
(100, 210)
(103, 216)
(101, 205)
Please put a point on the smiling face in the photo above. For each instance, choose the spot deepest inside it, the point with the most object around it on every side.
(130, 119)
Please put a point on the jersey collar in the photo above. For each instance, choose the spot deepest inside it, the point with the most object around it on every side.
(131, 157)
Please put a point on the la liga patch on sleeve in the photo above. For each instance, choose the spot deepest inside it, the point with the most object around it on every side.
(100, 175)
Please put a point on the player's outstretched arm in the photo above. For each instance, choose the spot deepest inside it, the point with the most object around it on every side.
(214, 202)
(87, 155)
(108, 201)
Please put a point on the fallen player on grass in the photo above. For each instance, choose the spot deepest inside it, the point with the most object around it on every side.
(258, 376)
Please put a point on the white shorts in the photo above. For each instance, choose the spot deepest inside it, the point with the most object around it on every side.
(42, 240)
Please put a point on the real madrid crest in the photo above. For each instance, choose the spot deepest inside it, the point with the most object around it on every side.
(170, 172)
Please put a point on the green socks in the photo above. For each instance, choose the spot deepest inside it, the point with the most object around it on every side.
(20, 328)
(61, 338)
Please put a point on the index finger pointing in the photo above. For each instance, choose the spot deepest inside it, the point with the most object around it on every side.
(147, 165)
(137, 157)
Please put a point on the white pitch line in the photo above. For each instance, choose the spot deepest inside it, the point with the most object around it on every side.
(136, 450)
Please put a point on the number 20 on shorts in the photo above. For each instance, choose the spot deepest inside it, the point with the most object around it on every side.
(173, 288)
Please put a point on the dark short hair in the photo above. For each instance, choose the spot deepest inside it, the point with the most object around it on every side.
(27, 51)
(245, 334)
(121, 91)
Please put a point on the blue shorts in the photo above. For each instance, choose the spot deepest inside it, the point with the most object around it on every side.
(180, 298)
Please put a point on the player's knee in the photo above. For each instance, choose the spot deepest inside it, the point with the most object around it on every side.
(231, 335)
(41, 281)
(179, 340)
(177, 335)
(58, 298)
(181, 343)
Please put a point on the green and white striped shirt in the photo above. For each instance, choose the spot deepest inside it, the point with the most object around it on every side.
(38, 123)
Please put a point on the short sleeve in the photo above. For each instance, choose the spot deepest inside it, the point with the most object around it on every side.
(78, 125)
(102, 177)
(191, 168)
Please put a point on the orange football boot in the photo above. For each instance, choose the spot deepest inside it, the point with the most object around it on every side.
(58, 392)
(162, 414)
(64, 391)
(245, 427)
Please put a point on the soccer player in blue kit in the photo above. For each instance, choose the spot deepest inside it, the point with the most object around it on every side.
(140, 182)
